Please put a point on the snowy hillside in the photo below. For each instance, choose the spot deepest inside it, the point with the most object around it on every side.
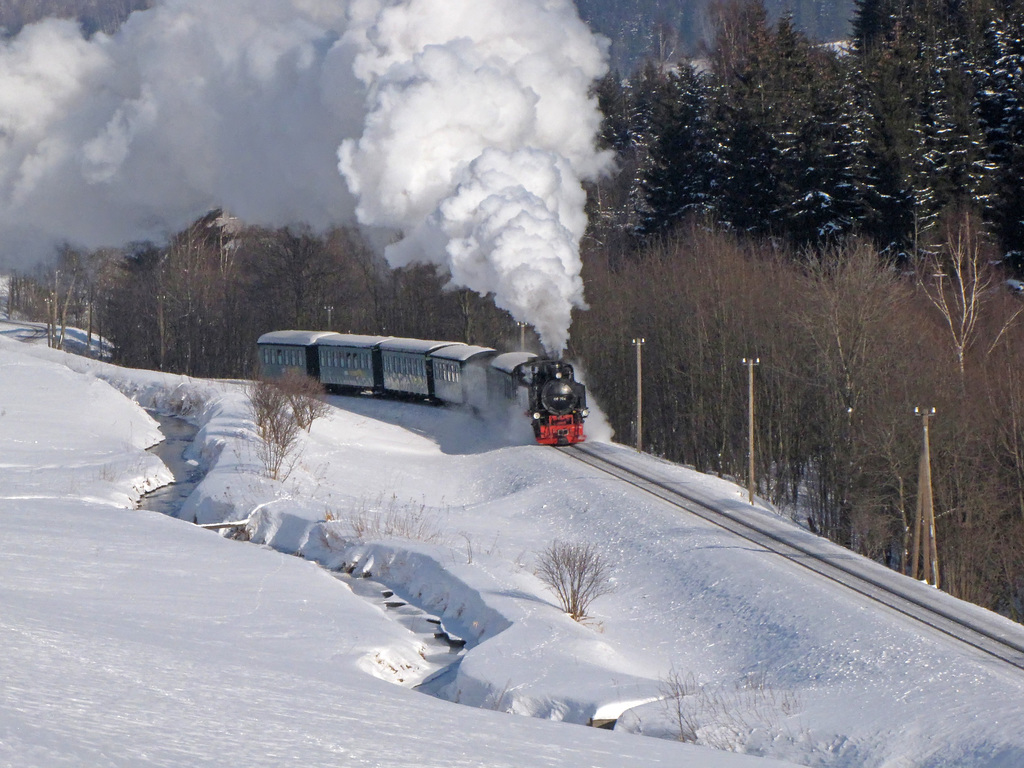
(134, 639)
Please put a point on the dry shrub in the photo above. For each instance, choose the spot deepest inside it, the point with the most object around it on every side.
(305, 398)
(723, 717)
(395, 519)
(577, 573)
(276, 428)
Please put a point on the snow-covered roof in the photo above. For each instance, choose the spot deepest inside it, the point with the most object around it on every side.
(461, 352)
(295, 338)
(508, 361)
(353, 340)
(415, 346)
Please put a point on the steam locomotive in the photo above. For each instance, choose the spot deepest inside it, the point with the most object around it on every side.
(435, 371)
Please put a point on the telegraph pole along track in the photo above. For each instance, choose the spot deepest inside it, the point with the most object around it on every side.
(967, 624)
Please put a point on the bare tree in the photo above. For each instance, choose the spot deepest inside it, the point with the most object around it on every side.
(963, 281)
(305, 398)
(577, 573)
(276, 427)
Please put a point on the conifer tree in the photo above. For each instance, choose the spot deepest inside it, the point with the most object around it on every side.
(817, 187)
(679, 177)
(1001, 116)
(893, 86)
(746, 117)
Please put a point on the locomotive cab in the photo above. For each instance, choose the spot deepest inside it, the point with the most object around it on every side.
(557, 401)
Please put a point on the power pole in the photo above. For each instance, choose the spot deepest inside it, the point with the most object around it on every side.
(639, 343)
(49, 320)
(750, 362)
(924, 522)
(55, 309)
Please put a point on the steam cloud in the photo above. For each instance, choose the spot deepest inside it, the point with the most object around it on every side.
(464, 125)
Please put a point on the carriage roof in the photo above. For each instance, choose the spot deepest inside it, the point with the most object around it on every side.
(415, 346)
(461, 352)
(353, 340)
(509, 361)
(295, 338)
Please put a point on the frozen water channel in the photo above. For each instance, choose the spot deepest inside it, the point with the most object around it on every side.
(442, 651)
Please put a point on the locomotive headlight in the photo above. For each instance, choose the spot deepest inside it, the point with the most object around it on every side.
(585, 412)
(558, 375)
(536, 417)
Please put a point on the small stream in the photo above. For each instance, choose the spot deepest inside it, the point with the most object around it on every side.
(441, 650)
(172, 451)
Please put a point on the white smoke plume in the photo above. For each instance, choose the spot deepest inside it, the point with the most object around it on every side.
(190, 106)
(464, 125)
(480, 129)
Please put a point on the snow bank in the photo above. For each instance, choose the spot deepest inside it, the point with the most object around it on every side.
(771, 661)
(132, 639)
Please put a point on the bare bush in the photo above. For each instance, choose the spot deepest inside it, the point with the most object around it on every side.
(577, 573)
(723, 717)
(395, 519)
(276, 428)
(305, 398)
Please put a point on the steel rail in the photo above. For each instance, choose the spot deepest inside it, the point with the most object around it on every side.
(989, 640)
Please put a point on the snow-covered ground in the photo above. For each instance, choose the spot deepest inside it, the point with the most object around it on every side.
(130, 638)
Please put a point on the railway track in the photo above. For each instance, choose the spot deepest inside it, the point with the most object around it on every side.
(989, 633)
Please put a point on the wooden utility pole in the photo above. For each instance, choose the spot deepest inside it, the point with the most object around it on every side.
(639, 343)
(750, 362)
(924, 522)
(55, 309)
